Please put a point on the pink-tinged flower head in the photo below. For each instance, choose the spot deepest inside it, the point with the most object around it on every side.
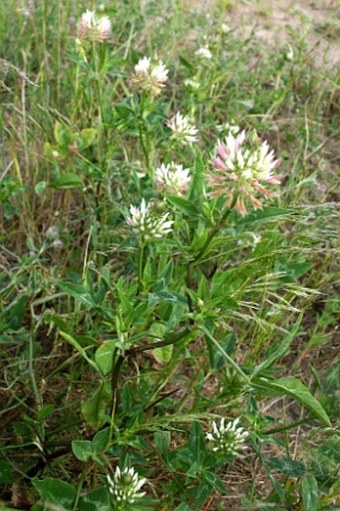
(183, 130)
(148, 221)
(149, 77)
(94, 28)
(242, 169)
(172, 179)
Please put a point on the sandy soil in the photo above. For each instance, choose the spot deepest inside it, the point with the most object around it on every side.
(276, 22)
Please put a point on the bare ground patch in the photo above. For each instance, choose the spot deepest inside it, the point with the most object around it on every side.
(279, 22)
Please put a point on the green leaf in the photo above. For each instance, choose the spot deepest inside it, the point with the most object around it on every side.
(224, 354)
(184, 205)
(54, 491)
(45, 411)
(162, 440)
(227, 344)
(183, 507)
(163, 354)
(197, 184)
(67, 180)
(186, 64)
(88, 136)
(211, 351)
(79, 348)
(62, 134)
(281, 350)
(171, 297)
(197, 443)
(295, 388)
(287, 466)
(15, 314)
(101, 440)
(93, 410)
(215, 481)
(165, 277)
(82, 449)
(104, 356)
(264, 216)
(95, 500)
(78, 292)
(309, 490)
(200, 494)
(6, 472)
(40, 187)
(9, 339)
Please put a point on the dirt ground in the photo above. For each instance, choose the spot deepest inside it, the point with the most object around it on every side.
(278, 22)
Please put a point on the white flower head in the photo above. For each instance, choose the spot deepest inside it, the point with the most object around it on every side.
(290, 53)
(124, 486)
(94, 28)
(172, 179)
(227, 437)
(183, 130)
(225, 28)
(149, 222)
(26, 7)
(143, 65)
(149, 77)
(191, 84)
(52, 233)
(57, 244)
(234, 129)
(204, 53)
(241, 164)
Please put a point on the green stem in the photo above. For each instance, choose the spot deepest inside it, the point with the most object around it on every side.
(140, 267)
(142, 130)
(170, 340)
(142, 143)
(31, 372)
(287, 426)
(114, 383)
(102, 128)
(215, 230)
(189, 285)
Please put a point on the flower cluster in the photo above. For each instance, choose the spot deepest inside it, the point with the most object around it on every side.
(182, 129)
(149, 222)
(192, 84)
(240, 166)
(94, 28)
(172, 179)
(227, 437)
(124, 486)
(148, 77)
(52, 234)
(204, 53)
